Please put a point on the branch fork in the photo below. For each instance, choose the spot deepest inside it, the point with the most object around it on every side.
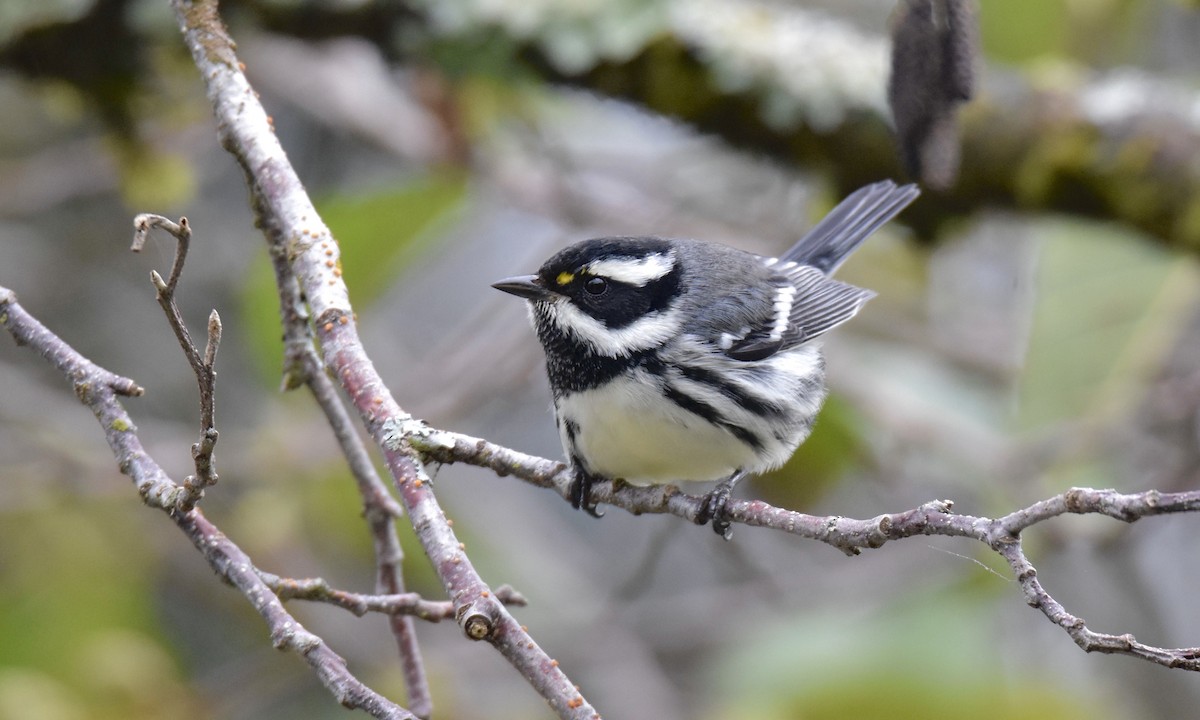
(202, 365)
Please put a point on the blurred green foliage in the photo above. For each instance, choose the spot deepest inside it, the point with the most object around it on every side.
(18, 16)
(1109, 307)
(94, 569)
(1020, 30)
(379, 234)
(834, 447)
(79, 628)
(923, 657)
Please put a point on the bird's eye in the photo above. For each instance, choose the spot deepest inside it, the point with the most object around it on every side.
(596, 286)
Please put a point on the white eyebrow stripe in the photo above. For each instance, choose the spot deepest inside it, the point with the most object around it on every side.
(634, 271)
(648, 331)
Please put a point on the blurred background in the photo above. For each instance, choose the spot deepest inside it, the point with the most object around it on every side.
(1037, 327)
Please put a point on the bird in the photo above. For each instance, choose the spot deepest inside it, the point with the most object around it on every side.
(674, 360)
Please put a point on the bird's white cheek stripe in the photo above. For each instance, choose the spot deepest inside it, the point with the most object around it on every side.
(648, 331)
(634, 271)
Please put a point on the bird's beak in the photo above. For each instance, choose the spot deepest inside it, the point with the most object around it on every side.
(526, 286)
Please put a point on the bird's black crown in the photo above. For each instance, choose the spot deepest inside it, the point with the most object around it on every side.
(616, 280)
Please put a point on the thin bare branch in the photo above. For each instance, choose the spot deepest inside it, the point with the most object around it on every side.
(1002, 535)
(181, 231)
(98, 389)
(303, 364)
(202, 365)
(295, 231)
(407, 604)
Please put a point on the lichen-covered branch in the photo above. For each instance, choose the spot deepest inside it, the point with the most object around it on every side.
(1002, 534)
(99, 389)
(302, 365)
(295, 231)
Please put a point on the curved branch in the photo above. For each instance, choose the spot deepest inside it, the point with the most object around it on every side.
(294, 230)
(98, 389)
(1002, 534)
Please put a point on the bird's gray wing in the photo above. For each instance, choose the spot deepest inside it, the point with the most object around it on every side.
(808, 304)
(846, 226)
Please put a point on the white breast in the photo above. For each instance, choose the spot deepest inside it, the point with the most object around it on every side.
(627, 430)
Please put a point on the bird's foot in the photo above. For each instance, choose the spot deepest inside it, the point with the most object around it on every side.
(581, 492)
(715, 506)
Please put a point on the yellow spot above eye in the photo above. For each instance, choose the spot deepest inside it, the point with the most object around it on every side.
(564, 278)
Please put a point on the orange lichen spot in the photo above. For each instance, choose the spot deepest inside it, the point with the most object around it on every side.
(449, 522)
(328, 251)
(343, 319)
(377, 400)
(328, 326)
(529, 645)
(417, 482)
(575, 702)
(329, 263)
(242, 66)
(524, 628)
(553, 663)
(462, 546)
(485, 593)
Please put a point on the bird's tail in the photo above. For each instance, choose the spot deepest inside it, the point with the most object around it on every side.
(854, 219)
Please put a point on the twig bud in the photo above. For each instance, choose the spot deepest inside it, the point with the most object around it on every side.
(159, 284)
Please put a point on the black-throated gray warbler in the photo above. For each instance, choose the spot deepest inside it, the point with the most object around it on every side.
(684, 360)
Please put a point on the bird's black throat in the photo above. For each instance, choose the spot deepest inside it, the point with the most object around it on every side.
(572, 366)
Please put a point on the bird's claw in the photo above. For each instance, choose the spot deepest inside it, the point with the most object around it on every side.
(581, 494)
(715, 507)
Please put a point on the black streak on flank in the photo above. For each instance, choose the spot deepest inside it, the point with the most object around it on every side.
(746, 400)
(572, 428)
(709, 413)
